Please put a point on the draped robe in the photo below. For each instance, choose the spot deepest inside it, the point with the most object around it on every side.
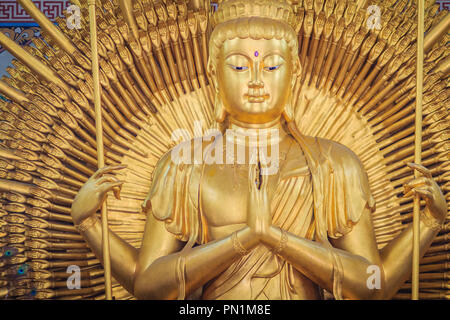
(321, 200)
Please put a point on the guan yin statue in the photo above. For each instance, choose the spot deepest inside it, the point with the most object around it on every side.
(254, 150)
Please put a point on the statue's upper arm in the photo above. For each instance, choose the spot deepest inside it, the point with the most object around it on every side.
(361, 239)
(356, 205)
(157, 242)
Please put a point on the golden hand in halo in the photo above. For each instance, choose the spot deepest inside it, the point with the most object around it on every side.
(92, 194)
(428, 190)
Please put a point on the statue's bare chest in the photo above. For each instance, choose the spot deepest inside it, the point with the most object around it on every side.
(224, 194)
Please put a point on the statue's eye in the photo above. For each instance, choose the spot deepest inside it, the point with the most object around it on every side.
(272, 68)
(238, 68)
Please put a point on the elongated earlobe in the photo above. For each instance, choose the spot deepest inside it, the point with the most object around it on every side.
(211, 72)
(288, 112)
(219, 110)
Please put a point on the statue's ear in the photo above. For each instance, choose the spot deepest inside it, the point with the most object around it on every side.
(288, 111)
(211, 69)
(219, 110)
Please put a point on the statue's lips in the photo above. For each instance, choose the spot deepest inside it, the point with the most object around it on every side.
(256, 98)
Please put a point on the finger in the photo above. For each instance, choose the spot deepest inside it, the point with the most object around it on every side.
(264, 163)
(107, 175)
(264, 181)
(100, 172)
(108, 169)
(253, 156)
(116, 191)
(106, 178)
(416, 183)
(423, 186)
(420, 168)
(426, 194)
(252, 172)
(422, 190)
(105, 187)
(263, 158)
(407, 194)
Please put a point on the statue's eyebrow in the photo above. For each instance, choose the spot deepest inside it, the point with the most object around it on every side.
(237, 53)
(274, 53)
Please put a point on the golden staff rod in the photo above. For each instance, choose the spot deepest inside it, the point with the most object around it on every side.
(12, 93)
(47, 26)
(100, 153)
(38, 67)
(418, 148)
(436, 33)
(126, 7)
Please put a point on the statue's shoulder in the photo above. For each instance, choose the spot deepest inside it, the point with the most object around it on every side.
(341, 180)
(181, 165)
(173, 195)
(321, 151)
(183, 155)
(335, 152)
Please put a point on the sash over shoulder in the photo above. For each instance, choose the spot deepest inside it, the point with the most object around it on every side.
(341, 186)
(341, 193)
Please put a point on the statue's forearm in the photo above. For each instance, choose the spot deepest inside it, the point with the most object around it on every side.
(203, 263)
(313, 260)
(397, 257)
(123, 255)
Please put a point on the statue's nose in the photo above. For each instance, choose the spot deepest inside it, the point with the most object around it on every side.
(255, 82)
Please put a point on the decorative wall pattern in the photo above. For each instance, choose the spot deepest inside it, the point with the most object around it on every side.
(11, 13)
(19, 26)
(444, 4)
(21, 35)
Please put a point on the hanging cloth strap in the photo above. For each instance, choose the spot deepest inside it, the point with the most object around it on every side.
(341, 192)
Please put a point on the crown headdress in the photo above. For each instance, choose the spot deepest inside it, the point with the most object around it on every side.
(279, 10)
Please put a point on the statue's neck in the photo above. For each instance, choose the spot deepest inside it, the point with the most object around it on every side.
(251, 134)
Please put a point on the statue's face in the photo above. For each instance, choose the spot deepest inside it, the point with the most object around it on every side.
(254, 78)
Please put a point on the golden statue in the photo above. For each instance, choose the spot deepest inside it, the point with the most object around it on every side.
(307, 226)
(296, 224)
